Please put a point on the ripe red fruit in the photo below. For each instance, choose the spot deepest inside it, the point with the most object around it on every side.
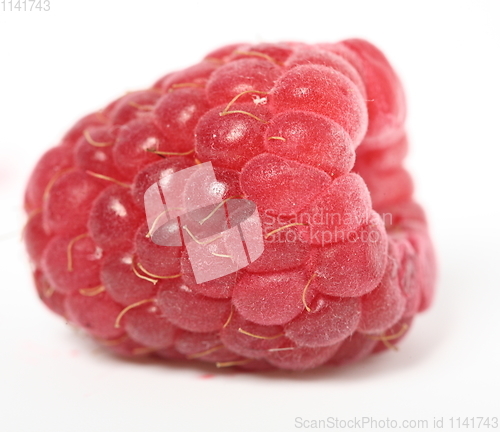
(307, 198)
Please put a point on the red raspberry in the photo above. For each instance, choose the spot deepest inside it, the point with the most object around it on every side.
(323, 256)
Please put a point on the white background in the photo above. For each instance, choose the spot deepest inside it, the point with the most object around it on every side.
(56, 66)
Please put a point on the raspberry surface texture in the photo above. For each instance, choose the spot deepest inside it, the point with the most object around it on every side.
(317, 253)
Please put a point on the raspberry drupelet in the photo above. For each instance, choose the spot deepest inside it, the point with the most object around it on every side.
(314, 137)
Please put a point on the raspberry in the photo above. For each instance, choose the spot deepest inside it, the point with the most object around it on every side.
(251, 210)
